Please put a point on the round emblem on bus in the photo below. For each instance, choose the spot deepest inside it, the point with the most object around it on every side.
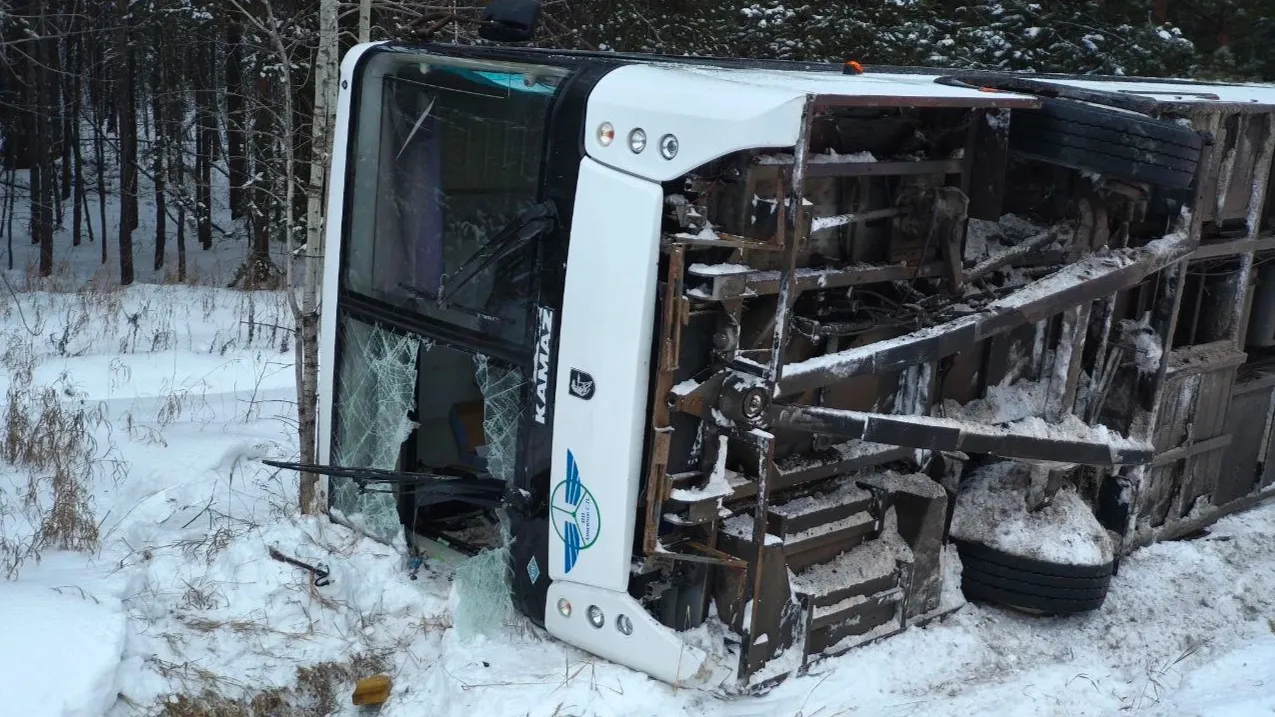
(575, 515)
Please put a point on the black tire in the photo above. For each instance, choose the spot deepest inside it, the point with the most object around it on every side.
(990, 575)
(1121, 144)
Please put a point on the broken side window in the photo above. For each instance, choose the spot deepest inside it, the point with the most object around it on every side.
(375, 390)
(406, 403)
(502, 390)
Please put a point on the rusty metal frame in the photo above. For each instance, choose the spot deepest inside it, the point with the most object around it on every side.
(1093, 277)
(1074, 298)
(946, 434)
(796, 229)
(670, 336)
(1151, 394)
(876, 169)
(765, 444)
(728, 286)
(793, 232)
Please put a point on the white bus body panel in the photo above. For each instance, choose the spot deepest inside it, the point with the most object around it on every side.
(650, 647)
(606, 329)
(709, 116)
(335, 216)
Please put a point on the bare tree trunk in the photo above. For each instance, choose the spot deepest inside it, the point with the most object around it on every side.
(235, 120)
(98, 99)
(325, 80)
(181, 242)
(69, 81)
(54, 104)
(74, 116)
(48, 89)
(175, 114)
(178, 169)
(34, 106)
(43, 181)
(10, 206)
(128, 146)
(160, 135)
(99, 147)
(205, 140)
(256, 270)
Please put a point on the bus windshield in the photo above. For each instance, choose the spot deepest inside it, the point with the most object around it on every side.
(447, 158)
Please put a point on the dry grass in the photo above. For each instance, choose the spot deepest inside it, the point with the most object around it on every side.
(317, 690)
(1161, 676)
(47, 431)
(107, 276)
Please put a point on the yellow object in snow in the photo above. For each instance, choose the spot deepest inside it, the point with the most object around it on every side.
(373, 690)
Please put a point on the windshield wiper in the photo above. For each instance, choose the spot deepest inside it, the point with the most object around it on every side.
(530, 224)
(482, 490)
(428, 296)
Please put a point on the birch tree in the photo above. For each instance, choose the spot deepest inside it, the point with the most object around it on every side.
(326, 71)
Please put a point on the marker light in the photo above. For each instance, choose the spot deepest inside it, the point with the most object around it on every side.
(564, 607)
(668, 146)
(596, 618)
(637, 140)
(606, 134)
(624, 625)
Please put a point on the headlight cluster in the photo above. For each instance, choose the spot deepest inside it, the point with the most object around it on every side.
(637, 140)
(597, 618)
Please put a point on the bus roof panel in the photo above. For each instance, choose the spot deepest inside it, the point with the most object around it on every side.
(869, 88)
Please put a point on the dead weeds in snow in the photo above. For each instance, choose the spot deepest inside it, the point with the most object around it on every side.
(241, 627)
(48, 432)
(317, 689)
(1161, 677)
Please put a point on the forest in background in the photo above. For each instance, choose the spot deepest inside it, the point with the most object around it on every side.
(98, 95)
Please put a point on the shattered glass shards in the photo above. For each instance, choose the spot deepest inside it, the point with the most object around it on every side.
(480, 600)
(377, 389)
(375, 392)
(502, 410)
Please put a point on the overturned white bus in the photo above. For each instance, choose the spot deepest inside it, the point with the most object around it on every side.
(788, 354)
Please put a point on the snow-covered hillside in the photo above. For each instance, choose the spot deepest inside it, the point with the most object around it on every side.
(185, 388)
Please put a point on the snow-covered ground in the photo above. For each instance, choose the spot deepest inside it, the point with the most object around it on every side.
(193, 384)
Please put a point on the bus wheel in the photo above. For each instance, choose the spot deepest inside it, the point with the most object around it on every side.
(1028, 584)
(1121, 144)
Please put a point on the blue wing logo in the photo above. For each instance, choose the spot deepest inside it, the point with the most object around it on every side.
(575, 489)
(575, 515)
(570, 546)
